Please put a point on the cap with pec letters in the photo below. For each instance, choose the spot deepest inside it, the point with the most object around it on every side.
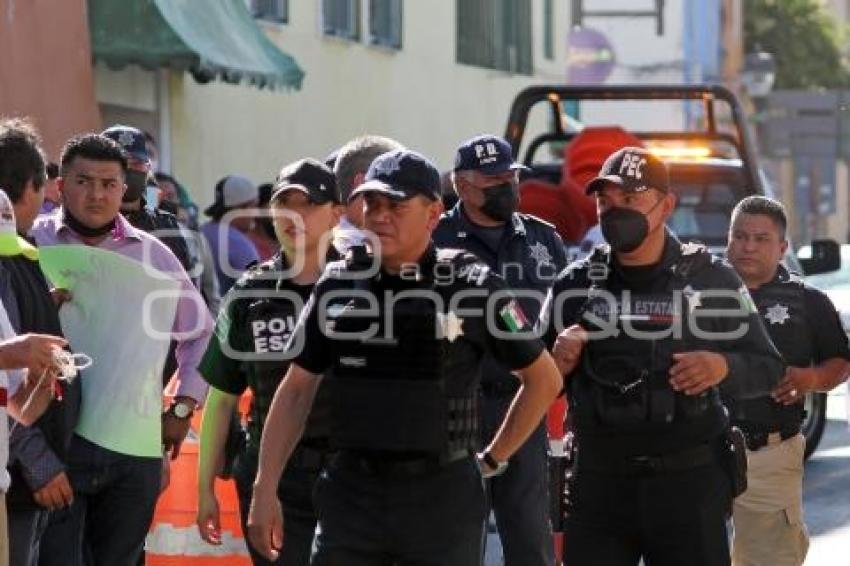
(633, 169)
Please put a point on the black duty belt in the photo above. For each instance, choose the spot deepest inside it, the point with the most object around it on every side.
(756, 440)
(499, 388)
(702, 455)
(389, 464)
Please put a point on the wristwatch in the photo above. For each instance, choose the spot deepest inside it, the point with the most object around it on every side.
(181, 410)
(490, 467)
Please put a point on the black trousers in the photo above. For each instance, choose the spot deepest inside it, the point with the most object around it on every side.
(520, 497)
(430, 519)
(295, 492)
(668, 519)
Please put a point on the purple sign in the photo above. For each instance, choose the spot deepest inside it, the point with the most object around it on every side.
(590, 57)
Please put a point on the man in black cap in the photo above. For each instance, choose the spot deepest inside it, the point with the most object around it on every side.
(650, 330)
(400, 336)
(528, 254)
(159, 223)
(252, 330)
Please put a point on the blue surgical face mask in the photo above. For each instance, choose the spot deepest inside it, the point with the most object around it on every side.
(151, 197)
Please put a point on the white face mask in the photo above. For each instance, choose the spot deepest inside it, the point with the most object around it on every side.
(70, 364)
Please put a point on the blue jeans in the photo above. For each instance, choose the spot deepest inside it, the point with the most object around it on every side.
(114, 500)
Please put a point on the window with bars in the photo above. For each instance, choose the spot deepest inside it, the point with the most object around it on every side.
(271, 10)
(495, 34)
(385, 23)
(341, 18)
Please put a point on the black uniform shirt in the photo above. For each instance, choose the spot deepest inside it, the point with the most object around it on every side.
(249, 347)
(526, 251)
(824, 333)
(755, 367)
(806, 329)
(517, 349)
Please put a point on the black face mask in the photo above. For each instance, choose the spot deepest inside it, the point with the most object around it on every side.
(625, 229)
(83, 230)
(500, 201)
(136, 182)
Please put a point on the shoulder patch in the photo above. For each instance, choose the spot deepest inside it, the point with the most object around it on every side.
(454, 255)
(335, 269)
(536, 220)
(692, 248)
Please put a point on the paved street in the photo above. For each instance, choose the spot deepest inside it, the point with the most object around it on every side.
(826, 491)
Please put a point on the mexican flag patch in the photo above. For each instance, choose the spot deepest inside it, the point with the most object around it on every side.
(513, 316)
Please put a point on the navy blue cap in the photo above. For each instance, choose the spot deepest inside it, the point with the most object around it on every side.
(401, 174)
(311, 177)
(131, 140)
(633, 169)
(487, 154)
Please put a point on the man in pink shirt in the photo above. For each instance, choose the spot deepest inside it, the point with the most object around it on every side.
(115, 489)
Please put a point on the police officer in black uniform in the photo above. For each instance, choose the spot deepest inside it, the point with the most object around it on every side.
(805, 327)
(643, 354)
(400, 336)
(252, 331)
(528, 254)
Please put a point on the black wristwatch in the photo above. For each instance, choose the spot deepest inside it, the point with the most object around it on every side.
(181, 409)
(494, 467)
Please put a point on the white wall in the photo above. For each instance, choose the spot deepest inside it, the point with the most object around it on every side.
(418, 95)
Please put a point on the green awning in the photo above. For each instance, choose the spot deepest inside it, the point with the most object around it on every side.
(209, 38)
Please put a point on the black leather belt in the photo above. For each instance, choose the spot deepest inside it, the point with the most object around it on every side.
(702, 455)
(756, 440)
(499, 388)
(392, 465)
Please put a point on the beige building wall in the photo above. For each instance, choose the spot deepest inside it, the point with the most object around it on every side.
(418, 94)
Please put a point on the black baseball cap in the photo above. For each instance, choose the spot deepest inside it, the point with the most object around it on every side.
(633, 169)
(401, 174)
(487, 154)
(311, 177)
(131, 140)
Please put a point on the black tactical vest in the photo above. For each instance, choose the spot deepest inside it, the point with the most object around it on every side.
(391, 386)
(627, 371)
(269, 321)
(781, 304)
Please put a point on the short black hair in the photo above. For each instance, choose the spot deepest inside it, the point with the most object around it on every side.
(52, 170)
(765, 206)
(96, 147)
(165, 178)
(21, 157)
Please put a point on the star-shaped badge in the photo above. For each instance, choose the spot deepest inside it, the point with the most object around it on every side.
(777, 314)
(387, 166)
(125, 139)
(540, 254)
(451, 325)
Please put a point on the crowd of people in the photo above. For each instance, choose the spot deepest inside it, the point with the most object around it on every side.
(401, 343)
